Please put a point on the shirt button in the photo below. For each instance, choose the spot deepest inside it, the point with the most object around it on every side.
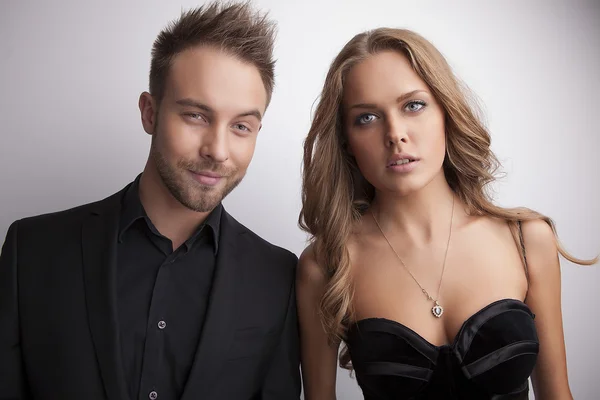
(153, 395)
(162, 324)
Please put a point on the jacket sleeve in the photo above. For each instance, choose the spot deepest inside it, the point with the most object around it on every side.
(12, 376)
(283, 378)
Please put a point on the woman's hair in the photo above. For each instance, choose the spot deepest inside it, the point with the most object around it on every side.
(335, 194)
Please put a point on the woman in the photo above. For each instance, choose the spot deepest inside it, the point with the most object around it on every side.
(435, 291)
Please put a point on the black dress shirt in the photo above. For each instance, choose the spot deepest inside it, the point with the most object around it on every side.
(162, 297)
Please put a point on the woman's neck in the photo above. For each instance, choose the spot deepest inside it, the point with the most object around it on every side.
(420, 217)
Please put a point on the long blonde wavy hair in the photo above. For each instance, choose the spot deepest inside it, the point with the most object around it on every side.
(335, 194)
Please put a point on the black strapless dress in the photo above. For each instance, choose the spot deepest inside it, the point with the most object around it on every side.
(491, 357)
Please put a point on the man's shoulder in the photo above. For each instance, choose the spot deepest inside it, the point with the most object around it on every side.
(262, 246)
(67, 217)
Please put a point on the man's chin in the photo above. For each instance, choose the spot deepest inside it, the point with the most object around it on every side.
(204, 198)
(202, 202)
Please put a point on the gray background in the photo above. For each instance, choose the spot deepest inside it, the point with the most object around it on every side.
(71, 73)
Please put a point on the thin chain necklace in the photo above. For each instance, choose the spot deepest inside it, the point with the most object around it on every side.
(437, 309)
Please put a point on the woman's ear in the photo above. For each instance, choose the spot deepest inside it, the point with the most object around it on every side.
(347, 148)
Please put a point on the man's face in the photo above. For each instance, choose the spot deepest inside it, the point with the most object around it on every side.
(206, 128)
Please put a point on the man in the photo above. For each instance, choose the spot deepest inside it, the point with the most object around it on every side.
(156, 292)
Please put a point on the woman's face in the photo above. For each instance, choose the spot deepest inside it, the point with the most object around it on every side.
(393, 124)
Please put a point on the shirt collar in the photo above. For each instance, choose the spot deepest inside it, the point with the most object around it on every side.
(132, 210)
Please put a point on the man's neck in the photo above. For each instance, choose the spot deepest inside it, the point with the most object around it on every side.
(171, 218)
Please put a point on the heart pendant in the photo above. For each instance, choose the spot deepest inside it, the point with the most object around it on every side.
(437, 310)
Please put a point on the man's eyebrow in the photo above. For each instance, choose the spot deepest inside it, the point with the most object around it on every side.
(193, 103)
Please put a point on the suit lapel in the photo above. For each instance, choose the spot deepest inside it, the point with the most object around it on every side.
(219, 326)
(99, 238)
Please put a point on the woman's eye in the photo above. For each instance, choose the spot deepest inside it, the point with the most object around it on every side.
(415, 106)
(365, 119)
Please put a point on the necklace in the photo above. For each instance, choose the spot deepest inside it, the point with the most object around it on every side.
(437, 309)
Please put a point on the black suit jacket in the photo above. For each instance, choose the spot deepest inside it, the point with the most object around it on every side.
(58, 319)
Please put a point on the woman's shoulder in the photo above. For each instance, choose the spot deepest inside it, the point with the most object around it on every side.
(309, 270)
(540, 245)
(537, 234)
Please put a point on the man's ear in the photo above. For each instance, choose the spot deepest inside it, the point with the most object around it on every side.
(148, 112)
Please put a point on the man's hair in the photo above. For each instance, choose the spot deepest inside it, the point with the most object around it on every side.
(234, 28)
